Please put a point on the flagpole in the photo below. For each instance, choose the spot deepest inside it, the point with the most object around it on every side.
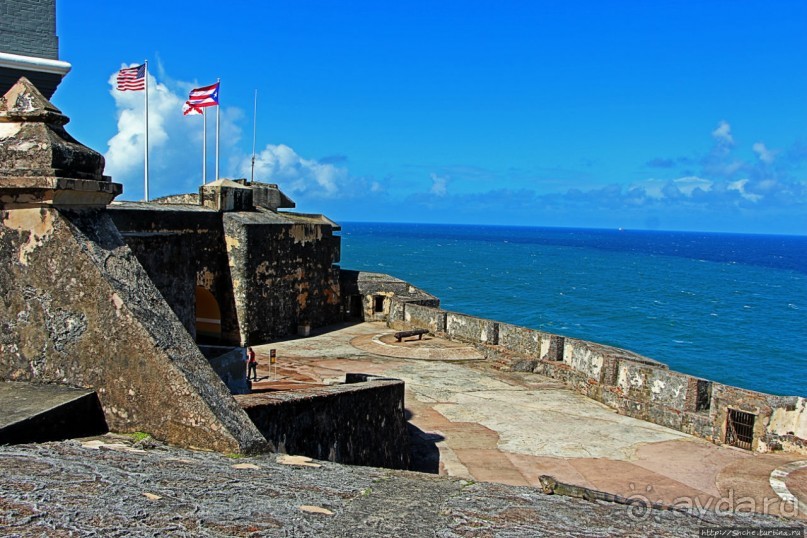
(146, 164)
(254, 129)
(218, 110)
(204, 147)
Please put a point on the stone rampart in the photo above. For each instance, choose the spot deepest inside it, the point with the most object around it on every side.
(426, 317)
(471, 329)
(631, 384)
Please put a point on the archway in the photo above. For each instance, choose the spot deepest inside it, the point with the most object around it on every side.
(208, 317)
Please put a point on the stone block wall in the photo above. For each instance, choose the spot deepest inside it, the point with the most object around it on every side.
(471, 329)
(655, 385)
(181, 248)
(283, 275)
(584, 357)
(425, 317)
(358, 423)
(397, 312)
(519, 339)
(28, 28)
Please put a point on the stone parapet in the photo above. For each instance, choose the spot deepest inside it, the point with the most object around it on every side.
(633, 385)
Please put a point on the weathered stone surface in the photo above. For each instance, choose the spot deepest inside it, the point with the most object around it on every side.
(519, 339)
(269, 196)
(472, 329)
(226, 195)
(376, 296)
(425, 317)
(78, 309)
(283, 272)
(63, 488)
(42, 163)
(361, 422)
(182, 247)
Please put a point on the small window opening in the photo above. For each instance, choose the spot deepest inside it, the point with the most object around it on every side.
(378, 304)
(703, 399)
(739, 429)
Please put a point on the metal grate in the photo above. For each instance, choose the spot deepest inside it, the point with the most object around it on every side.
(739, 429)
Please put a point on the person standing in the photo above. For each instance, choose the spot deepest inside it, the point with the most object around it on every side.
(252, 364)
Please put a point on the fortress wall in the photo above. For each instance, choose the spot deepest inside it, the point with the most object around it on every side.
(633, 385)
(397, 313)
(79, 309)
(788, 424)
(653, 385)
(520, 339)
(181, 250)
(425, 317)
(283, 275)
(471, 329)
(360, 423)
(584, 357)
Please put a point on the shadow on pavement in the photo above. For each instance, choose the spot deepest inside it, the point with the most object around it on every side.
(424, 454)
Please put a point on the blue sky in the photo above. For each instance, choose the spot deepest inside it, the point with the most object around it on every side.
(650, 115)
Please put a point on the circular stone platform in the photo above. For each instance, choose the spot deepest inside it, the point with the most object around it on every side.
(430, 348)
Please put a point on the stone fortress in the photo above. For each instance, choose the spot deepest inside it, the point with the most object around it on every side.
(135, 316)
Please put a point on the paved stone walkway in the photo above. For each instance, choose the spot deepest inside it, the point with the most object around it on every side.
(483, 424)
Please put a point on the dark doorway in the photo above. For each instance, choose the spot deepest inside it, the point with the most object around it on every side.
(355, 307)
(378, 303)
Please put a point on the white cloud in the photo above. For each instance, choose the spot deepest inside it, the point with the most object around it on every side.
(175, 152)
(723, 133)
(739, 186)
(126, 147)
(765, 155)
(653, 188)
(295, 174)
(439, 185)
(660, 189)
(688, 184)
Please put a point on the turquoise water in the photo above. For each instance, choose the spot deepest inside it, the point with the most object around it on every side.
(729, 308)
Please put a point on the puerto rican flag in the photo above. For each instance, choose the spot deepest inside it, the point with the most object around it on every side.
(189, 110)
(205, 96)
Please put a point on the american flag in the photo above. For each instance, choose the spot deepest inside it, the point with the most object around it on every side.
(132, 78)
(204, 96)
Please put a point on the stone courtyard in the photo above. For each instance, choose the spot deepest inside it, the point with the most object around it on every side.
(471, 421)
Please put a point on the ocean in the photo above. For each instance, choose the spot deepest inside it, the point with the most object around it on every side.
(726, 307)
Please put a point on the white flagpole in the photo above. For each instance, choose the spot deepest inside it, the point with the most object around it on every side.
(218, 109)
(204, 147)
(146, 191)
(254, 128)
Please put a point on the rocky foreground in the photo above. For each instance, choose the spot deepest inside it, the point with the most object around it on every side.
(117, 487)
